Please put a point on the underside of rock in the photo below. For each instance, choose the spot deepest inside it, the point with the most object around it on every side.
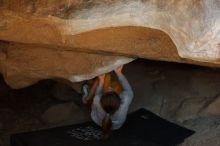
(77, 40)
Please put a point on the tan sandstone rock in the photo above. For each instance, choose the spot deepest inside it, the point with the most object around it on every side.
(51, 39)
(27, 64)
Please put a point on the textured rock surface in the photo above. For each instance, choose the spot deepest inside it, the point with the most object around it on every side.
(179, 94)
(25, 65)
(207, 131)
(214, 107)
(193, 25)
(66, 31)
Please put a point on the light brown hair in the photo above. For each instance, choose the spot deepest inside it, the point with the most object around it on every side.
(110, 102)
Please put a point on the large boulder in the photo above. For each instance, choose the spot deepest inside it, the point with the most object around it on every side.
(79, 39)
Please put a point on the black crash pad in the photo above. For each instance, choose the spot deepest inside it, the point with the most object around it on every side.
(142, 128)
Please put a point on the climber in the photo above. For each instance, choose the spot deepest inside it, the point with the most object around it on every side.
(109, 101)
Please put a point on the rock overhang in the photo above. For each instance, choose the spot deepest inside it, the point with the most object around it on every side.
(177, 31)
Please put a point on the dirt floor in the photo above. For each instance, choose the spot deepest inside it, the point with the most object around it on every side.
(184, 94)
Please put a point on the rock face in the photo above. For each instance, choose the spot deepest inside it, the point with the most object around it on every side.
(174, 91)
(79, 39)
(26, 64)
(213, 107)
